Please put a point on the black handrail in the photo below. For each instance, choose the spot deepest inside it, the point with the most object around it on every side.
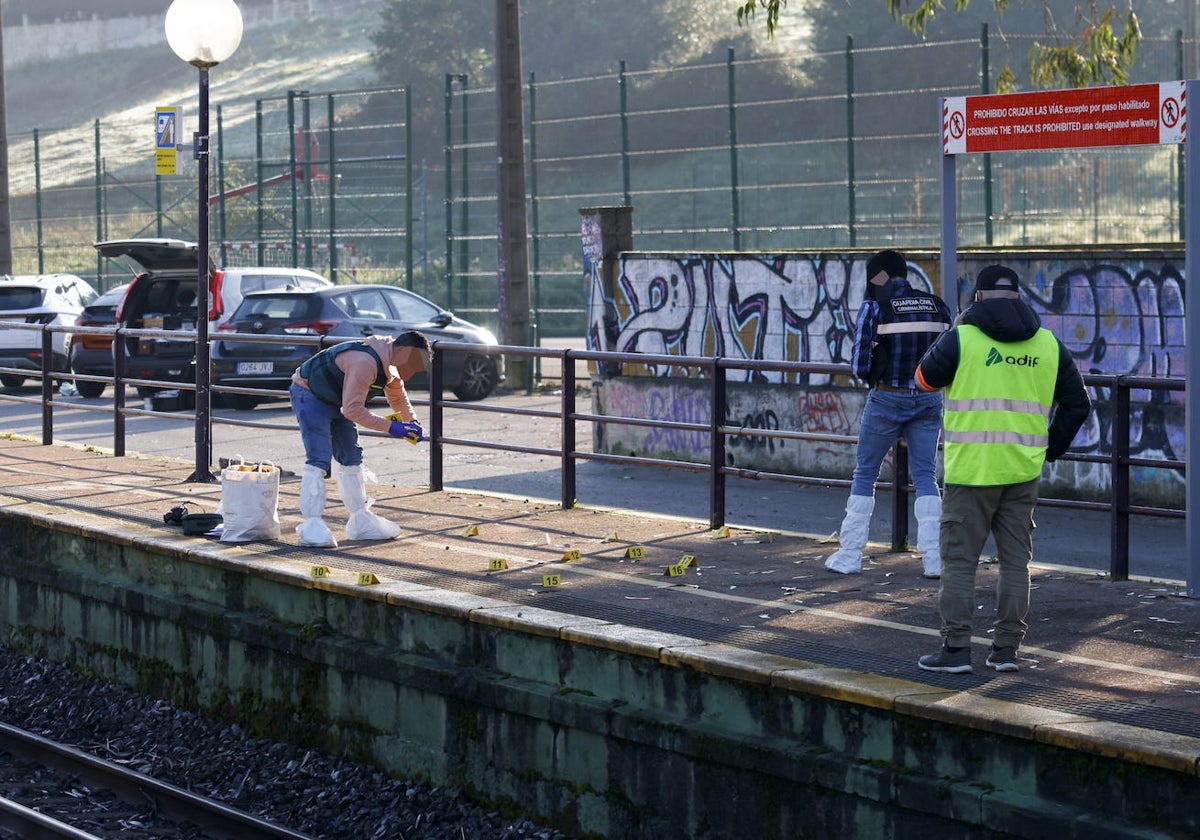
(1118, 389)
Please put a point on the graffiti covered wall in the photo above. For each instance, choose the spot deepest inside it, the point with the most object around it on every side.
(1119, 315)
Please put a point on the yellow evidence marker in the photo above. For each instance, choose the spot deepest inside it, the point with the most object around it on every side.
(680, 569)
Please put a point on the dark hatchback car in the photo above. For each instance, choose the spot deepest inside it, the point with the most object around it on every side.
(162, 296)
(92, 354)
(345, 313)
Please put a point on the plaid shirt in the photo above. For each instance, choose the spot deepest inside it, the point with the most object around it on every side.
(890, 338)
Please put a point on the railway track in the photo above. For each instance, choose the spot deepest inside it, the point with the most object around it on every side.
(49, 790)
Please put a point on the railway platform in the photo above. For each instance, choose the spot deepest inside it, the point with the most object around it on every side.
(1109, 669)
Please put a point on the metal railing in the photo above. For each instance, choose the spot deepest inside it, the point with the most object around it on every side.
(1120, 460)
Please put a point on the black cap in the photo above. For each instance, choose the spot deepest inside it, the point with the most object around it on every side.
(997, 278)
(892, 262)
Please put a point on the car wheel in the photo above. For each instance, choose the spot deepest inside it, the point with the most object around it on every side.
(91, 390)
(10, 380)
(478, 378)
(241, 402)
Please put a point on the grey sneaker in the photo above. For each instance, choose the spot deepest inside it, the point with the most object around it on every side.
(948, 660)
(1003, 659)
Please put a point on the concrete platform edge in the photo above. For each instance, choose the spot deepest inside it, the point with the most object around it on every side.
(479, 692)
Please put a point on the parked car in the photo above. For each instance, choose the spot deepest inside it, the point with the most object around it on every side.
(346, 313)
(92, 354)
(162, 295)
(55, 299)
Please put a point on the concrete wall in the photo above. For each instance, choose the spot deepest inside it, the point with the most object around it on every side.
(1118, 312)
(601, 729)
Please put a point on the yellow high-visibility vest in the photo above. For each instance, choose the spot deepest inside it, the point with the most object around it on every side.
(997, 409)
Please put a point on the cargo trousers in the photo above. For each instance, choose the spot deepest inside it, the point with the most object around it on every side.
(969, 515)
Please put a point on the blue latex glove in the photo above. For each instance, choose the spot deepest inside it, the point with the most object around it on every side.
(415, 433)
(410, 431)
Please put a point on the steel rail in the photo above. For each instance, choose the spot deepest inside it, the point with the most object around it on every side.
(174, 802)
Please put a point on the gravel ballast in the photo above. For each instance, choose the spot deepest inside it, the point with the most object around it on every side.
(303, 789)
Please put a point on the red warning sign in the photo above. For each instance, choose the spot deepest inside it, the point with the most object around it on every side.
(1055, 119)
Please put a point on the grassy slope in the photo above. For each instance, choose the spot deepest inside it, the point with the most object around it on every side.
(121, 88)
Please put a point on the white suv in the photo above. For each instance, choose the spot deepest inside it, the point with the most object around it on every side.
(163, 296)
(52, 299)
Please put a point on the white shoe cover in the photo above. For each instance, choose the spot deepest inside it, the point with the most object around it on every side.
(847, 560)
(362, 524)
(312, 529)
(928, 510)
(314, 532)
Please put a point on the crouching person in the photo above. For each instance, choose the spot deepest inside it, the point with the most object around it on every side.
(329, 394)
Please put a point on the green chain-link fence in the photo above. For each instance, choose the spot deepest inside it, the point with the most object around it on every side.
(736, 156)
(839, 150)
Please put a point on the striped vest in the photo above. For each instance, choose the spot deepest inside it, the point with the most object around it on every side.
(997, 409)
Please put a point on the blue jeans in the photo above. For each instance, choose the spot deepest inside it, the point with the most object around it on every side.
(914, 415)
(325, 433)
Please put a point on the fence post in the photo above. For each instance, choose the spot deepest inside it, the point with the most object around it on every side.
(222, 226)
(295, 195)
(158, 206)
(464, 206)
(408, 184)
(851, 221)
(985, 52)
(734, 199)
(308, 165)
(37, 193)
(331, 170)
(47, 387)
(900, 496)
(534, 229)
(716, 465)
(1119, 469)
(99, 197)
(448, 199)
(568, 430)
(118, 351)
(1180, 176)
(435, 422)
(258, 175)
(622, 86)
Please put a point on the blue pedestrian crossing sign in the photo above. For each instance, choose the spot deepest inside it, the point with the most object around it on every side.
(168, 125)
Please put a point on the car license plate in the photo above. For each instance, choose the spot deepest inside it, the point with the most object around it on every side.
(251, 368)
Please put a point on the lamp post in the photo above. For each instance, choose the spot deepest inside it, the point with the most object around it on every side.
(203, 33)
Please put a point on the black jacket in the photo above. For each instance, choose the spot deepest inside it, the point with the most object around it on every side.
(1008, 320)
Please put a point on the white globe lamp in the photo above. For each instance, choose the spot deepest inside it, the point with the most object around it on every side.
(203, 33)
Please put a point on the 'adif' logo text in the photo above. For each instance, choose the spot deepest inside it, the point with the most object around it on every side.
(995, 358)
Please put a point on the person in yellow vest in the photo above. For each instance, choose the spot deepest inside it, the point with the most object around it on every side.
(1013, 400)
